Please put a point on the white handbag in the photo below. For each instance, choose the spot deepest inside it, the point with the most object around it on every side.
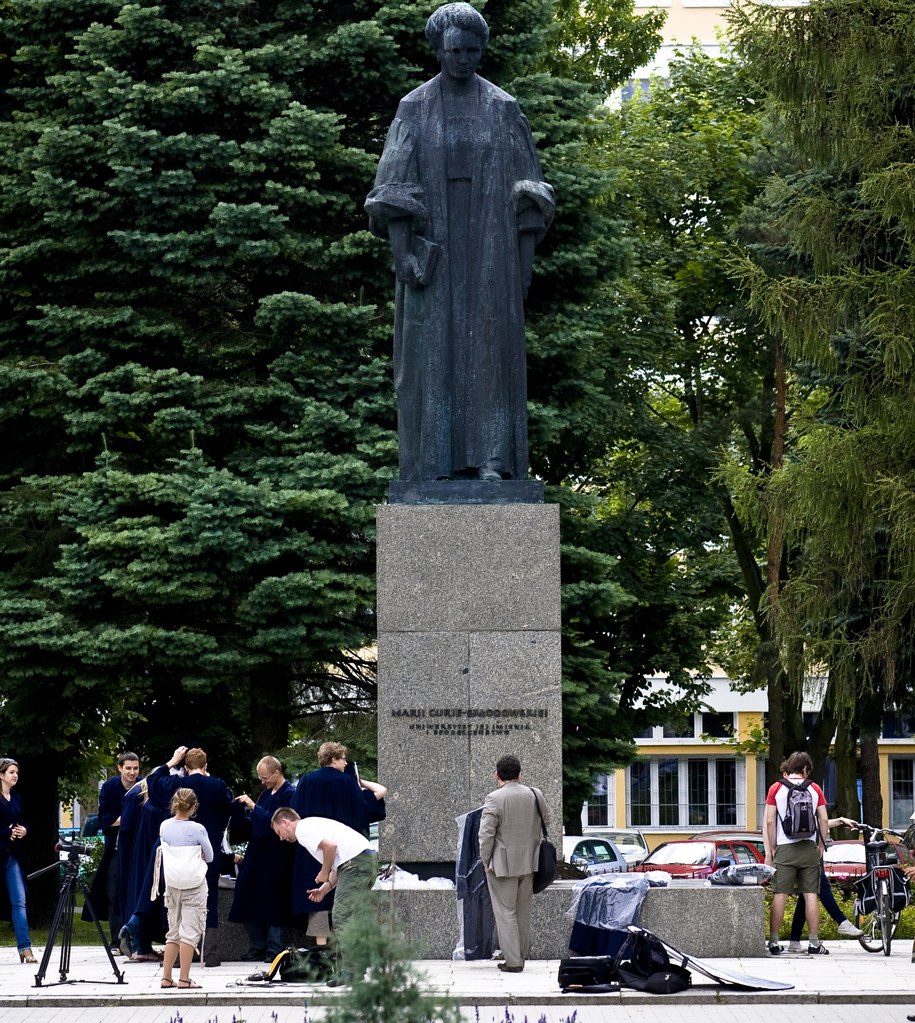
(183, 867)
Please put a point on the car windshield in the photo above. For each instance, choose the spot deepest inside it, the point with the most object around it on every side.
(624, 839)
(691, 853)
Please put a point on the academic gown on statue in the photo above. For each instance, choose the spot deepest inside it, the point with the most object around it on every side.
(469, 181)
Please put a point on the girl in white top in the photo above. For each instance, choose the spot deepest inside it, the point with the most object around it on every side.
(185, 898)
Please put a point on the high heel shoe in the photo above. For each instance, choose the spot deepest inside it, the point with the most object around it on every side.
(25, 956)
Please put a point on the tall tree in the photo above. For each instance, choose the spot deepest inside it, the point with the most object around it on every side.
(838, 75)
(194, 355)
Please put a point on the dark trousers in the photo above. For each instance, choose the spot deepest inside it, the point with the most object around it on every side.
(829, 904)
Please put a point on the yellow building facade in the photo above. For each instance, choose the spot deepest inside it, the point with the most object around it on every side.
(689, 776)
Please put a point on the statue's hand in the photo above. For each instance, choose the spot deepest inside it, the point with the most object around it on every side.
(406, 268)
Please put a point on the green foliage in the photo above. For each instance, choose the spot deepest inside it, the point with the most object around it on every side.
(198, 419)
(697, 374)
(384, 987)
(846, 311)
(602, 42)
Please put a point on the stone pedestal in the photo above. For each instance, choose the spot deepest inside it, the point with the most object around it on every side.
(468, 664)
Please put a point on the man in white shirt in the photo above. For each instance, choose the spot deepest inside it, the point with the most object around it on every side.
(349, 865)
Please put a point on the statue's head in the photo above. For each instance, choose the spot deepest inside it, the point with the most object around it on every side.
(459, 16)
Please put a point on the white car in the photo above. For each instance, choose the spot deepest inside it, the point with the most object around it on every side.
(593, 854)
(630, 842)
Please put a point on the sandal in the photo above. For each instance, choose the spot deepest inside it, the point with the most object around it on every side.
(26, 956)
(187, 984)
(165, 982)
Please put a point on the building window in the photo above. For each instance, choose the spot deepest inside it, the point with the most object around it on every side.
(640, 794)
(686, 792)
(720, 726)
(811, 717)
(668, 792)
(726, 793)
(598, 805)
(698, 793)
(902, 790)
(898, 726)
(682, 727)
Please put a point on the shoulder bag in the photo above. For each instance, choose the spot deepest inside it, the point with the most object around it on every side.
(545, 874)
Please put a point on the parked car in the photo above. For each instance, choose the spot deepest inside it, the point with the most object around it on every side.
(844, 859)
(593, 855)
(630, 842)
(753, 837)
(692, 859)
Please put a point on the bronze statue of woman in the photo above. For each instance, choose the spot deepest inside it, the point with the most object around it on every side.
(460, 195)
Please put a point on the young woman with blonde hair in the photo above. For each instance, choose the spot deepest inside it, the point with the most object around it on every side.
(185, 852)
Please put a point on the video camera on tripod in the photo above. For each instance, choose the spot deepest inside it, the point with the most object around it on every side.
(68, 854)
(72, 850)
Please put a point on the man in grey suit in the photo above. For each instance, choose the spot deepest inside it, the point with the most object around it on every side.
(509, 845)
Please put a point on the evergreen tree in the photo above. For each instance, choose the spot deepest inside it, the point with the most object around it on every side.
(194, 345)
(838, 75)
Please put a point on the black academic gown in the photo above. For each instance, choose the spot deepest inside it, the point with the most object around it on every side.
(263, 889)
(110, 803)
(213, 812)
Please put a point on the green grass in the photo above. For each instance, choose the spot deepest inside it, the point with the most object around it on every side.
(84, 933)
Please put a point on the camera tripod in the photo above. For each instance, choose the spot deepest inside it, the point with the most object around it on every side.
(62, 921)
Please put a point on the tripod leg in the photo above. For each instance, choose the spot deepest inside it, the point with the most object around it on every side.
(52, 933)
(88, 902)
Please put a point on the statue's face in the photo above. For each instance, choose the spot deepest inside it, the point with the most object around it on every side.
(460, 53)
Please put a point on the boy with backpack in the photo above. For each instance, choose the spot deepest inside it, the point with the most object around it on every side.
(794, 836)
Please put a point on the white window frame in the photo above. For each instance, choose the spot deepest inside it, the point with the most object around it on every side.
(900, 818)
(654, 760)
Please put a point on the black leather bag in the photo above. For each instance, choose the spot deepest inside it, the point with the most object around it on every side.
(545, 874)
(665, 981)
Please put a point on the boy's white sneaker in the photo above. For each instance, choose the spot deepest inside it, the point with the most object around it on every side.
(848, 930)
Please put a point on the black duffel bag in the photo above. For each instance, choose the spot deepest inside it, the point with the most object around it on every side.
(588, 974)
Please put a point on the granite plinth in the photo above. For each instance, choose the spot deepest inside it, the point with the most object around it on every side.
(469, 664)
(706, 922)
(475, 568)
(465, 492)
(460, 701)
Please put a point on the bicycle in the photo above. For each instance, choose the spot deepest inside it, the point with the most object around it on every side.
(883, 892)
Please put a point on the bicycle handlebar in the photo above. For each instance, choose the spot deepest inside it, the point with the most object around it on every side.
(864, 828)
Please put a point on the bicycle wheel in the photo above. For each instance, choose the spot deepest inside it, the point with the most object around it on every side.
(871, 936)
(887, 916)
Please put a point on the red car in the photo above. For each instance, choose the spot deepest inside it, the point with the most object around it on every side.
(697, 859)
(844, 859)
